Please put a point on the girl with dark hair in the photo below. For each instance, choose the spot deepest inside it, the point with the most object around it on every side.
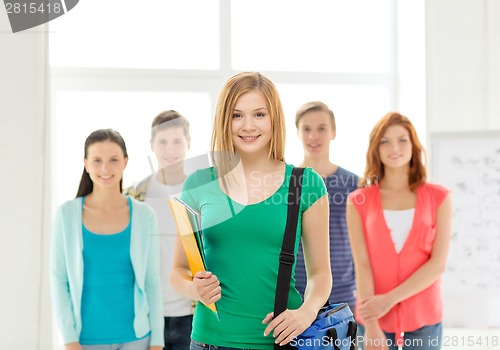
(399, 226)
(105, 278)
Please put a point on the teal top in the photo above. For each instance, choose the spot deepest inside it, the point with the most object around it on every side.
(242, 247)
(67, 270)
(108, 288)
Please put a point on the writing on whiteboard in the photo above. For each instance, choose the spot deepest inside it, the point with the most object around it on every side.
(470, 168)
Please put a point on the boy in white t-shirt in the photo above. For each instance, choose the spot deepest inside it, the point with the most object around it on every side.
(170, 141)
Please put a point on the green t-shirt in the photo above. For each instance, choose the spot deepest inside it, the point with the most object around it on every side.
(242, 247)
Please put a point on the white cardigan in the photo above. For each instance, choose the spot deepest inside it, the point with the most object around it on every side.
(66, 271)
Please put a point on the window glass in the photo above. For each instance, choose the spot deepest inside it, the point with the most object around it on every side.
(137, 34)
(316, 36)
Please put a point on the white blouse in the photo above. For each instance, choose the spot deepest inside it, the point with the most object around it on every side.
(399, 223)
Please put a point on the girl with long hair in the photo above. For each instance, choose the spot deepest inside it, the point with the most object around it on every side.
(399, 226)
(243, 206)
(105, 278)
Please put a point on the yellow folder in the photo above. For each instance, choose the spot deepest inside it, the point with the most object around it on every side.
(189, 230)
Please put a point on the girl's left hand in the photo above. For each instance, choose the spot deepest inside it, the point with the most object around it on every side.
(155, 347)
(288, 325)
(374, 307)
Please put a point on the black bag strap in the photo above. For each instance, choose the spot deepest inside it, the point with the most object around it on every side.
(287, 256)
(351, 333)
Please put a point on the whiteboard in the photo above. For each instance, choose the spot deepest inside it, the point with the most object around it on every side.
(468, 164)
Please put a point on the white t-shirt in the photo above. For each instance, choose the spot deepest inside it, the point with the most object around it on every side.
(157, 196)
(400, 223)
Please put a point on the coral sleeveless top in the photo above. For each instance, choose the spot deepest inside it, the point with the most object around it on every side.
(390, 268)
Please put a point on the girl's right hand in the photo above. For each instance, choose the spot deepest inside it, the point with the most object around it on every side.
(206, 287)
(73, 346)
(374, 338)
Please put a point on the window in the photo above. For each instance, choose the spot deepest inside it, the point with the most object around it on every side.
(313, 36)
(119, 63)
(146, 34)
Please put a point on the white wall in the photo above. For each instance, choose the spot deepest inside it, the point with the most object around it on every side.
(493, 59)
(23, 292)
(463, 74)
(463, 89)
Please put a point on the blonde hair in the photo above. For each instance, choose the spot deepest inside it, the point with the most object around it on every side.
(223, 152)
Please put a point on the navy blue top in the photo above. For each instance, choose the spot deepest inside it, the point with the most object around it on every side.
(338, 185)
(108, 288)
